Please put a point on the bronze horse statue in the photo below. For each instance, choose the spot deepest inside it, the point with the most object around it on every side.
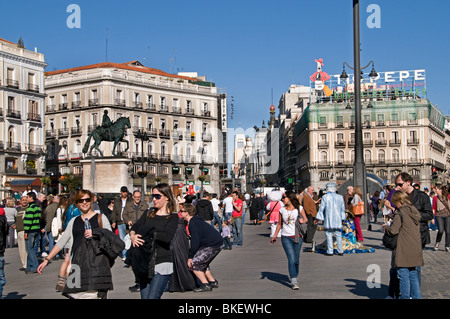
(114, 133)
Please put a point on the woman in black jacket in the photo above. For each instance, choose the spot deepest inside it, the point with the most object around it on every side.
(150, 255)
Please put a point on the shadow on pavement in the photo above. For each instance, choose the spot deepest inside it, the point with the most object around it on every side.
(276, 277)
(360, 288)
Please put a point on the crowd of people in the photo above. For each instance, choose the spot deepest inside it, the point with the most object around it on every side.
(169, 242)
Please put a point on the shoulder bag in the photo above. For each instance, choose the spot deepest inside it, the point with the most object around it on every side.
(358, 209)
(389, 241)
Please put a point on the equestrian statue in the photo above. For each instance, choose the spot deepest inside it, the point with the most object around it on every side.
(108, 132)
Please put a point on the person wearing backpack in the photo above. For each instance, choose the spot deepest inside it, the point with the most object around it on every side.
(407, 256)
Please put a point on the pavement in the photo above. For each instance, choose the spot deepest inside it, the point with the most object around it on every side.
(258, 270)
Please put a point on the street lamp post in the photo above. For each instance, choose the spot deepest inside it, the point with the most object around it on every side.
(143, 136)
(359, 168)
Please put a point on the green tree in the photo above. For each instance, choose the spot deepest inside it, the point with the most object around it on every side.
(70, 182)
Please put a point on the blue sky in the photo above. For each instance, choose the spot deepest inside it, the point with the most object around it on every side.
(246, 47)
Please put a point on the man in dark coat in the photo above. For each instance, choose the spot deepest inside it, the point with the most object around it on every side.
(204, 208)
(420, 200)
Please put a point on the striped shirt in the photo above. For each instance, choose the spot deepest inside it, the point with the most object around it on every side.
(31, 220)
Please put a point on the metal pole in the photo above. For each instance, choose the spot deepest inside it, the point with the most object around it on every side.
(359, 170)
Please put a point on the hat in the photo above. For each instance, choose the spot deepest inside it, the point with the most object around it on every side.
(124, 189)
(331, 186)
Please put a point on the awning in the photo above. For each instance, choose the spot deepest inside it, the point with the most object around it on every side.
(20, 185)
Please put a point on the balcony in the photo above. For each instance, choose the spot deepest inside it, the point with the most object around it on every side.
(50, 134)
(93, 102)
(12, 83)
(33, 87)
(189, 159)
(151, 107)
(176, 110)
(207, 137)
(50, 108)
(367, 143)
(63, 132)
(339, 144)
(152, 132)
(165, 158)
(380, 143)
(163, 108)
(34, 149)
(323, 144)
(33, 117)
(190, 111)
(153, 158)
(14, 114)
(177, 134)
(76, 131)
(76, 105)
(206, 113)
(413, 141)
(63, 106)
(13, 147)
(120, 102)
(164, 133)
(381, 123)
(395, 142)
(137, 105)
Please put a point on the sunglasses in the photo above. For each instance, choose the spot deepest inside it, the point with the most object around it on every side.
(399, 184)
(157, 196)
(83, 200)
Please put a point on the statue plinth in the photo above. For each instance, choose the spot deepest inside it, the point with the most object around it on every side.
(106, 175)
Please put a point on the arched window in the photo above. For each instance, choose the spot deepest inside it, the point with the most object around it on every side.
(395, 156)
(367, 156)
(323, 158)
(340, 157)
(413, 155)
(381, 156)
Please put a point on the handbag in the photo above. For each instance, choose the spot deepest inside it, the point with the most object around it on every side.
(358, 209)
(390, 242)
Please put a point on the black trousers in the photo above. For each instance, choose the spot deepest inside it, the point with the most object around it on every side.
(311, 230)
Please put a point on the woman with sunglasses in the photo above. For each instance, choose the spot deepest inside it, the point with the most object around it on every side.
(75, 236)
(150, 256)
(291, 241)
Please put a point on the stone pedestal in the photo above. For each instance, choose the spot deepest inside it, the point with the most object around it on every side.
(106, 175)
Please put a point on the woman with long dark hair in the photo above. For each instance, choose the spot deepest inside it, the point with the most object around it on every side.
(441, 210)
(150, 255)
(290, 239)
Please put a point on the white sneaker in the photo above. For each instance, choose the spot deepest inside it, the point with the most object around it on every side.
(295, 286)
(44, 254)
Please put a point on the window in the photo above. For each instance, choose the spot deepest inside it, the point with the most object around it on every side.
(340, 157)
(395, 156)
(322, 121)
(11, 103)
(367, 156)
(394, 119)
(413, 155)
(381, 156)
(340, 138)
(412, 118)
(339, 121)
(150, 123)
(323, 157)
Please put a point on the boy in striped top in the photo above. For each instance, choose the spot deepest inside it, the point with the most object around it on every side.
(32, 227)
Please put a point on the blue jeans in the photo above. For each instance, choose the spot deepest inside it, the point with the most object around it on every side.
(338, 234)
(292, 251)
(215, 219)
(51, 242)
(30, 244)
(2, 276)
(122, 233)
(409, 282)
(154, 288)
(237, 232)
